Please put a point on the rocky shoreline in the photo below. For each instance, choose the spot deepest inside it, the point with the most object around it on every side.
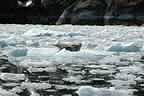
(76, 12)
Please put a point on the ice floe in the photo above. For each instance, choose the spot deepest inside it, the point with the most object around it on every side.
(33, 53)
(82, 55)
(92, 91)
(124, 47)
(41, 32)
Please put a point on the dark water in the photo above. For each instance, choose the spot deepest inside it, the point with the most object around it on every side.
(69, 77)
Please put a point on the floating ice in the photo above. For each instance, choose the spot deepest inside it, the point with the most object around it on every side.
(12, 77)
(4, 39)
(91, 91)
(3, 44)
(60, 34)
(142, 49)
(34, 32)
(32, 43)
(42, 52)
(17, 54)
(71, 34)
(6, 93)
(124, 47)
(15, 40)
(37, 63)
(53, 53)
(65, 56)
(35, 85)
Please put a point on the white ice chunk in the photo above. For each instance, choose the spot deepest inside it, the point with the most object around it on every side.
(42, 52)
(65, 56)
(3, 44)
(71, 34)
(15, 40)
(142, 49)
(15, 55)
(91, 91)
(35, 32)
(18, 52)
(124, 47)
(60, 33)
(37, 63)
(33, 53)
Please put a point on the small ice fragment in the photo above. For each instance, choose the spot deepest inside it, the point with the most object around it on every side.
(3, 44)
(91, 91)
(4, 92)
(142, 49)
(124, 47)
(37, 63)
(15, 55)
(71, 34)
(12, 77)
(18, 52)
(42, 52)
(36, 32)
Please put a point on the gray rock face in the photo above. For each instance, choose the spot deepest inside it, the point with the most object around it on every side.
(125, 12)
(84, 12)
(103, 12)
